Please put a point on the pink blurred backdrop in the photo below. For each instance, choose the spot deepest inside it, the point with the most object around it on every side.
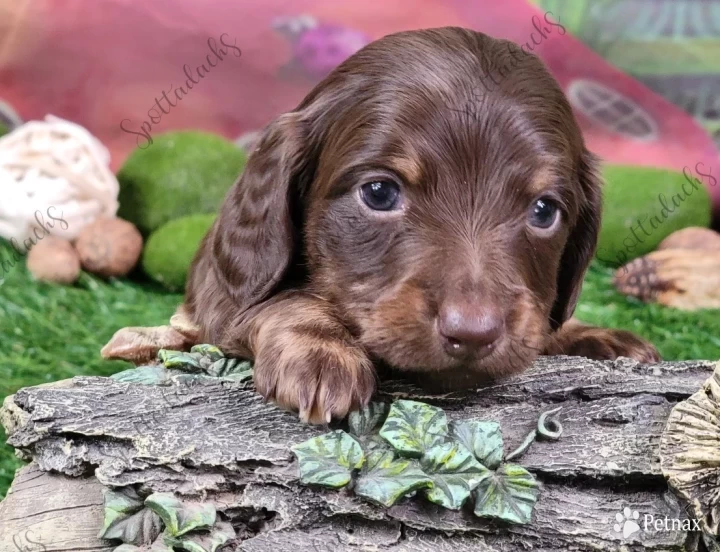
(101, 62)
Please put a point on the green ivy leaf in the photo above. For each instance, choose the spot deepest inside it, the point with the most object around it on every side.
(363, 422)
(220, 535)
(144, 375)
(372, 443)
(413, 427)
(181, 360)
(454, 472)
(231, 368)
(210, 351)
(384, 479)
(124, 500)
(139, 528)
(160, 546)
(482, 438)
(181, 517)
(127, 519)
(157, 546)
(329, 459)
(509, 494)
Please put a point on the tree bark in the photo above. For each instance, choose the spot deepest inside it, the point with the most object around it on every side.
(215, 440)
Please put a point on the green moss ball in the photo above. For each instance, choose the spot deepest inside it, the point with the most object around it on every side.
(169, 250)
(642, 206)
(178, 174)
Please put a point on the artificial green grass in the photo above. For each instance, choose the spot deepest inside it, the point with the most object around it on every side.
(677, 334)
(50, 332)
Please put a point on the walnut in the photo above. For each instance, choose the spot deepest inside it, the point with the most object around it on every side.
(109, 247)
(692, 238)
(54, 259)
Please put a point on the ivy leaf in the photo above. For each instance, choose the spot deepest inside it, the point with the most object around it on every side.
(203, 542)
(454, 472)
(482, 438)
(373, 443)
(160, 547)
(127, 519)
(509, 494)
(157, 546)
(384, 479)
(413, 427)
(124, 500)
(181, 517)
(210, 351)
(144, 375)
(329, 459)
(180, 360)
(231, 368)
(363, 422)
(139, 528)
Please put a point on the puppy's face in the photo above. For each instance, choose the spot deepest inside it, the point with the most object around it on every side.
(442, 206)
(449, 216)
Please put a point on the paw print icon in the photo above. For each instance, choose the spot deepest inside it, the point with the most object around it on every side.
(627, 522)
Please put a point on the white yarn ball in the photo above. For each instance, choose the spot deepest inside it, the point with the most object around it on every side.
(53, 168)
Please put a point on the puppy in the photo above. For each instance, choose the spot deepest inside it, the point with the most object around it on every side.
(407, 214)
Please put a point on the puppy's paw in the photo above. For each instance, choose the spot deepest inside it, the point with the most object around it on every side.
(320, 379)
(606, 344)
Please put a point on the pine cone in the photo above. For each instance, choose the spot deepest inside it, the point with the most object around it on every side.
(687, 279)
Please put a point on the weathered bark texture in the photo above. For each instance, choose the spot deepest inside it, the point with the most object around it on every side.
(218, 442)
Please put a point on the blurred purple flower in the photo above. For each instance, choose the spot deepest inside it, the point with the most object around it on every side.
(318, 50)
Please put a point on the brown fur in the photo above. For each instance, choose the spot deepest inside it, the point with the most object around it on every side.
(302, 276)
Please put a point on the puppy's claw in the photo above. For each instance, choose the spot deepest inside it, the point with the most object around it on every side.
(305, 380)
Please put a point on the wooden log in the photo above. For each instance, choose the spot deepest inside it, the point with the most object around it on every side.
(46, 511)
(216, 441)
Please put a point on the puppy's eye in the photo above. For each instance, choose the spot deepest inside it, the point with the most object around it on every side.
(380, 196)
(543, 214)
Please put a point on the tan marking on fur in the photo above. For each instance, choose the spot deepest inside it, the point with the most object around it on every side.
(408, 167)
(541, 181)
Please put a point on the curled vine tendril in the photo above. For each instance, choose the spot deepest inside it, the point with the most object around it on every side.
(550, 428)
(547, 428)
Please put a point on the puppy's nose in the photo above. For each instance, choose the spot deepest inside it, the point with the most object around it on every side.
(469, 331)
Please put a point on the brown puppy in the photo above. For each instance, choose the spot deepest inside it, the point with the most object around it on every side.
(410, 214)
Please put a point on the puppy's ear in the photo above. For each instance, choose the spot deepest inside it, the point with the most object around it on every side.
(581, 243)
(255, 236)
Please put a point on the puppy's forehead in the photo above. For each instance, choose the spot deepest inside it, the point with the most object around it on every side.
(424, 105)
(427, 141)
